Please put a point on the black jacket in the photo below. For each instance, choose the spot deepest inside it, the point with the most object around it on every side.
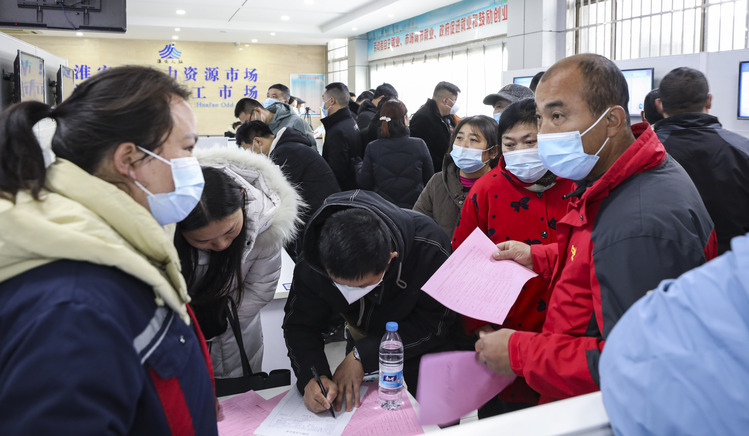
(307, 171)
(342, 143)
(423, 324)
(717, 160)
(397, 169)
(434, 129)
(354, 108)
(367, 111)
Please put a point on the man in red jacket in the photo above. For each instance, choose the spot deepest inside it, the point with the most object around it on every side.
(635, 219)
(521, 200)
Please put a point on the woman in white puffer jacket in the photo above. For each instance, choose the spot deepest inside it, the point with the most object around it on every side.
(235, 235)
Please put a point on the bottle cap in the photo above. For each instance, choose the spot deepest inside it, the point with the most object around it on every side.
(392, 326)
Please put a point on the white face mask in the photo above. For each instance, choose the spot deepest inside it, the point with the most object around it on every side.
(526, 165)
(353, 293)
(564, 155)
(173, 207)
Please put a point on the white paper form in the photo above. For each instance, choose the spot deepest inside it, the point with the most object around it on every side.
(472, 283)
(292, 418)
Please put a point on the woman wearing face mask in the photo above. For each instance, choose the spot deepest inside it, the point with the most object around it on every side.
(230, 246)
(519, 200)
(97, 336)
(473, 153)
(395, 166)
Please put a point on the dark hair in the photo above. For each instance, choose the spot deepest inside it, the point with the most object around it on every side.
(292, 100)
(535, 80)
(351, 94)
(354, 242)
(366, 95)
(386, 90)
(283, 88)
(519, 112)
(221, 197)
(488, 129)
(236, 124)
(396, 111)
(445, 88)
(123, 104)
(246, 105)
(605, 85)
(683, 90)
(339, 91)
(252, 129)
(649, 109)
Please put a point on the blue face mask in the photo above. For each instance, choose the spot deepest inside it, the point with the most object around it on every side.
(269, 101)
(496, 116)
(173, 207)
(563, 153)
(324, 111)
(468, 159)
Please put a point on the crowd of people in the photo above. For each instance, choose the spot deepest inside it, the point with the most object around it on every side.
(132, 270)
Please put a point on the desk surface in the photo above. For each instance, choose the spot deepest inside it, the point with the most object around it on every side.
(272, 392)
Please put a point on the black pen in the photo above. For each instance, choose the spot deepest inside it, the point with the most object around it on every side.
(324, 393)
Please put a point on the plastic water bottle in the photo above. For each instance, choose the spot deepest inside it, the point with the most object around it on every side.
(391, 368)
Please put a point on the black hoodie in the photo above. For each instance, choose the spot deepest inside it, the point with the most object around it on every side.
(423, 324)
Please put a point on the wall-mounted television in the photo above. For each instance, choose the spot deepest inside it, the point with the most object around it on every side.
(639, 82)
(29, 78)
(523, 80)
(99, 15)
(65, 83)
(744, 90)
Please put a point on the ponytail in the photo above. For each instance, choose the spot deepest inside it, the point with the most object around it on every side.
(21, 157)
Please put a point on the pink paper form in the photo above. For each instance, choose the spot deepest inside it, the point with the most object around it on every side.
(243, 413)
(472, 283)
(452, 384)
(370, 419)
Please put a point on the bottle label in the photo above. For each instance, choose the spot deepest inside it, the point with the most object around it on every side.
(391, 380)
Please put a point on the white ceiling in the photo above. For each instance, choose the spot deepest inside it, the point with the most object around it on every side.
(307, 22)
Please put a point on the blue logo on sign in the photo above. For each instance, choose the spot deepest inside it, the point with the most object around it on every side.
(389, 378)
(170, 52)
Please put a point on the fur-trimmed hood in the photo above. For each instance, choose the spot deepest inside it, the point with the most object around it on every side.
(273, 203)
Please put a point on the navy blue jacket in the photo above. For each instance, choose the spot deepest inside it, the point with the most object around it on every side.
(86, 351)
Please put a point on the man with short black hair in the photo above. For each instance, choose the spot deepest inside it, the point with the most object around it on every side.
(716, 159)
(342, 138)
(276, 116)
(279, 92)
(505, 96)
(301, 164)
(433, 123)
(649, 112)
(635, 219)
(366, 259)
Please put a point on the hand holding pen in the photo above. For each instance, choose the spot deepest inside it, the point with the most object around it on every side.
(319, 393)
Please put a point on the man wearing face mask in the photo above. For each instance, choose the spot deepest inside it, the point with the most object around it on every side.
(342, 138)
(433, 121)
(520, 200)
(277, 93)
(277, 115)
(506, 96)
(367, 260)
(634, 220)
